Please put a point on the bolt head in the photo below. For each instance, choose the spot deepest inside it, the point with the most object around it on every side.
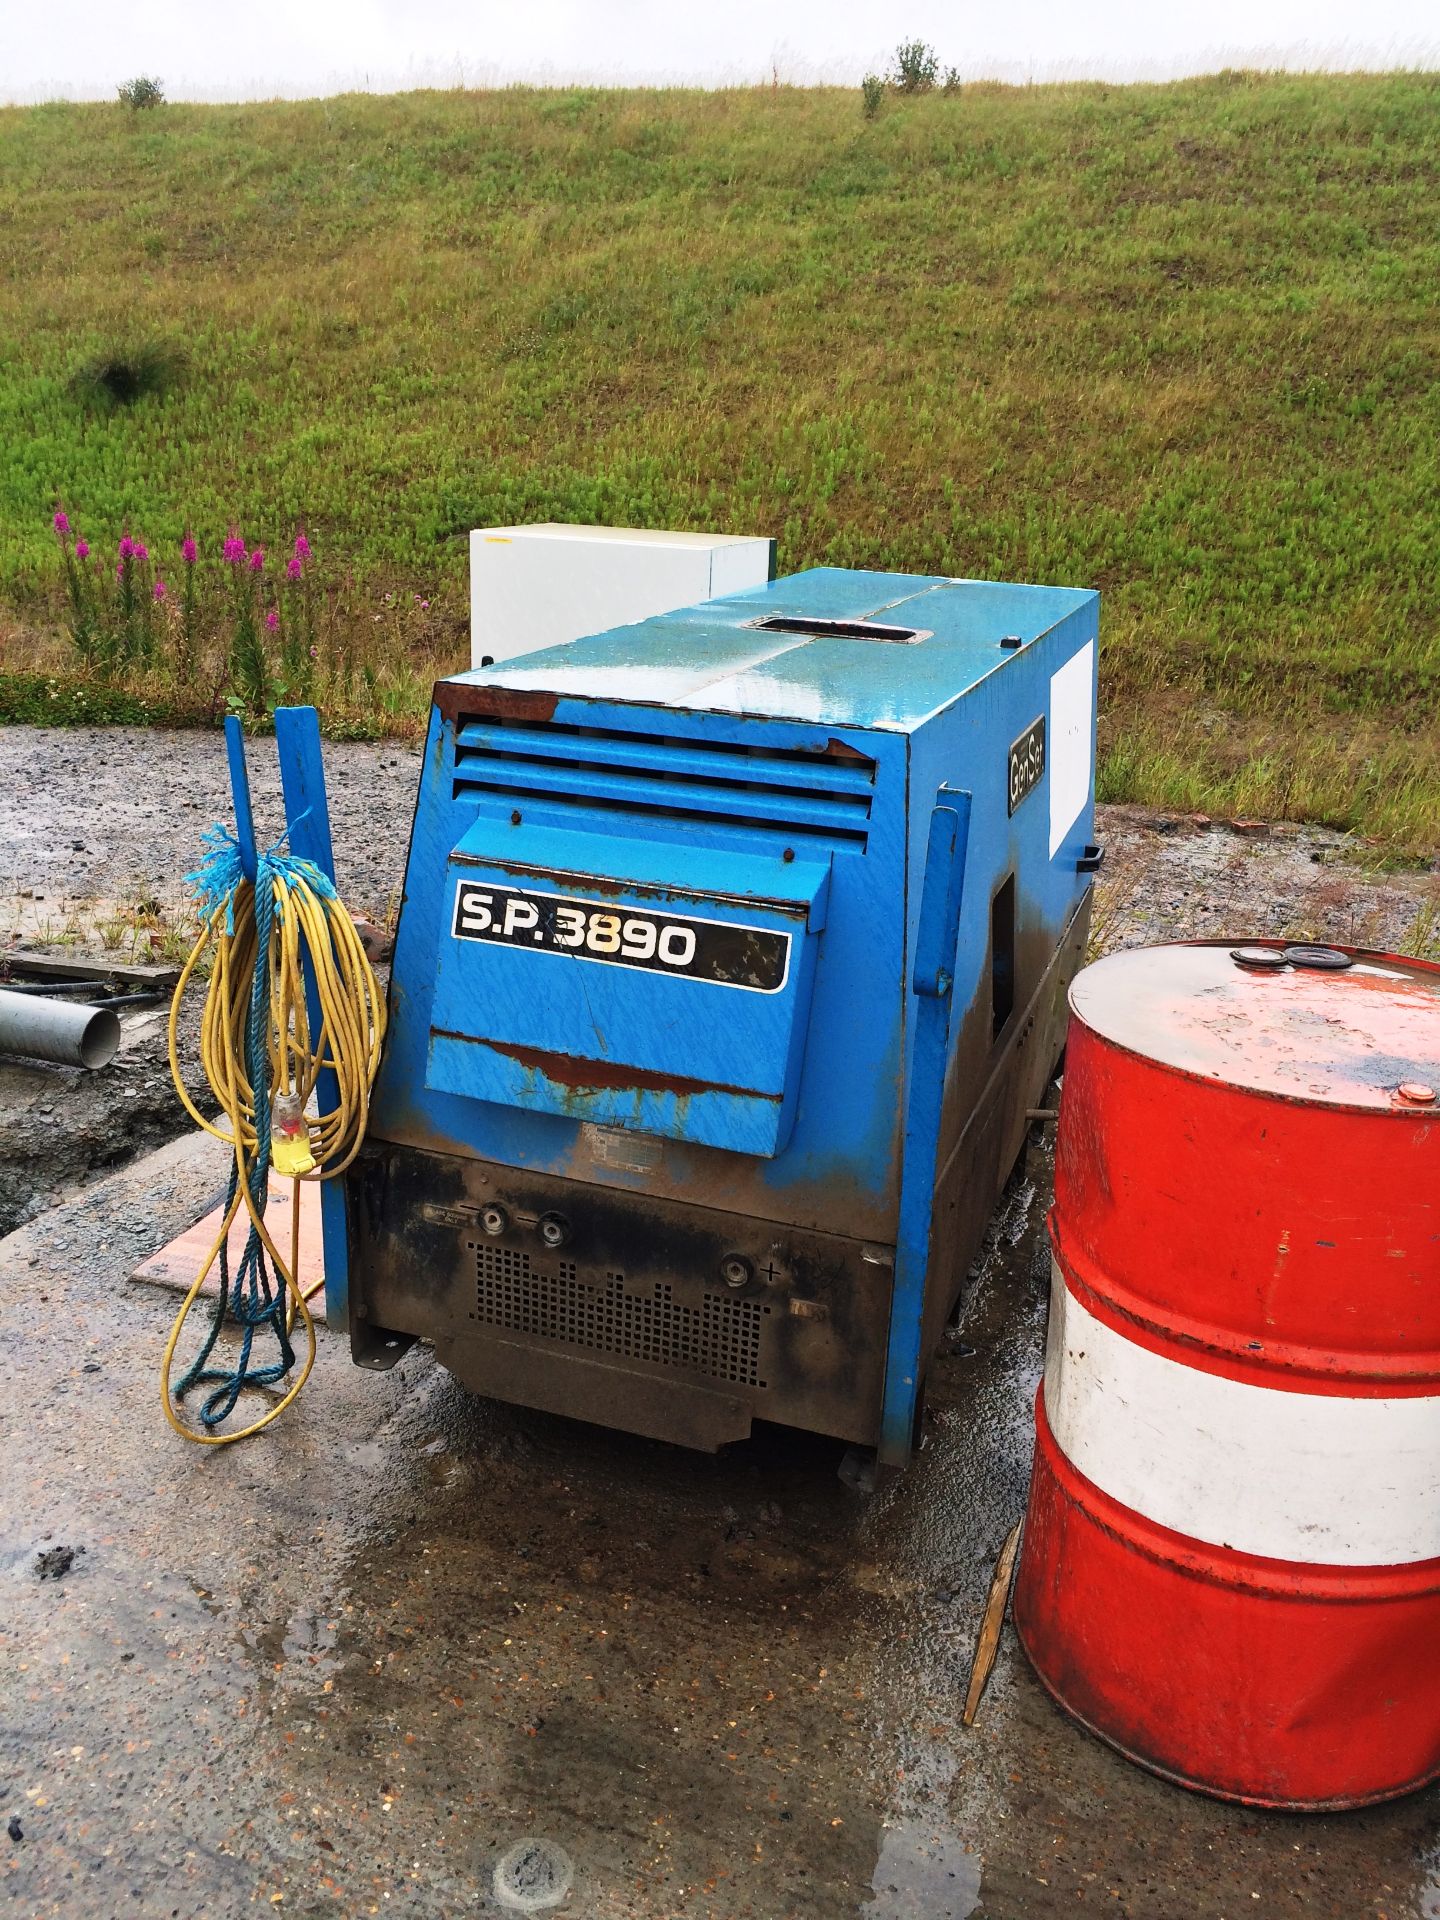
(1414, 1093)
(494, 1220)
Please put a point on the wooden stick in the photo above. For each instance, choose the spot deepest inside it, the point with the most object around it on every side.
(987, 1646)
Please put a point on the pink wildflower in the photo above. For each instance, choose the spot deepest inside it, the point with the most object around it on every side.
(127, 548)
(272, 620)
(188, 550)
(82, 549)
(294, 567)
(424, 606)
(62, 520)
(159, 589)
(257, 560)
(314, 653)
(142, 552)
(234, 549)
(302, 546)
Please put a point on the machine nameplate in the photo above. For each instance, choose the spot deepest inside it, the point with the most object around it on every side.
(1027, 762)
(756, 959)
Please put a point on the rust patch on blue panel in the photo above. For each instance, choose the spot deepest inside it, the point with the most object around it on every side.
(454, 697)
(842, 750)
(565, 1070)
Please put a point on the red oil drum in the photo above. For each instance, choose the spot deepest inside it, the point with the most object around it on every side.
(1231, 1567)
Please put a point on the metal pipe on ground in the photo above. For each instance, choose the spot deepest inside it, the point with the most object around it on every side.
(57, 1030)
(84, 990)
(91, 990)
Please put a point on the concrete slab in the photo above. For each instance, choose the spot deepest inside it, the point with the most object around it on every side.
(343, 1669)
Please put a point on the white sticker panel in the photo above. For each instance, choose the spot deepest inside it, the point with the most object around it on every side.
(1071, 742)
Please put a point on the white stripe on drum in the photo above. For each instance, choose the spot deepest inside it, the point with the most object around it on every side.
(1312, 1477)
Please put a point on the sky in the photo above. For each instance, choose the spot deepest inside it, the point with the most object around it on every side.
(214, 50)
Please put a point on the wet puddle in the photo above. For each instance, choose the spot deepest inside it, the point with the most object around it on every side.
(921, 1872)
(715, 1684)
(1427, 1894)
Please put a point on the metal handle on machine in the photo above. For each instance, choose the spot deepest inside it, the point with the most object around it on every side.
(931, 979)
(933, 973)
(1092, 859)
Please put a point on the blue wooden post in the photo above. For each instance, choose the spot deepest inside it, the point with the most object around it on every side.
(307, 816)
(240, 795)
(932, 979)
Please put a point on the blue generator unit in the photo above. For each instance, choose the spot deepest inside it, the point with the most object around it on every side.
(733, 954)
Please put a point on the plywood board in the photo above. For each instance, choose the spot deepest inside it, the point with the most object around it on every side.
(176, 1265)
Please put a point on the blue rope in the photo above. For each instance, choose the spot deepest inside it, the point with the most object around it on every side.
(253, 1297)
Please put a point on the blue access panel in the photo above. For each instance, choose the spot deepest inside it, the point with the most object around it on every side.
(660, 989)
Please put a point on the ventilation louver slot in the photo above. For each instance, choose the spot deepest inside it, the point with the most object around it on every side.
(566, 773)
(841, 629)
(720, 1338)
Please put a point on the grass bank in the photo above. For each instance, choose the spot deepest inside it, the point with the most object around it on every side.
(1180, 343)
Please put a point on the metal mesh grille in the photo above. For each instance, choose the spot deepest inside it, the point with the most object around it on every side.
(721, 1338)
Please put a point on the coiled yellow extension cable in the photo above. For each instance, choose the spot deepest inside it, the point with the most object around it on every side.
(305, 921)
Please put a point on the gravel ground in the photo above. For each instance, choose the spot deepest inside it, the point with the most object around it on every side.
(342, 1670)
(109, 824)
(114, 816)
